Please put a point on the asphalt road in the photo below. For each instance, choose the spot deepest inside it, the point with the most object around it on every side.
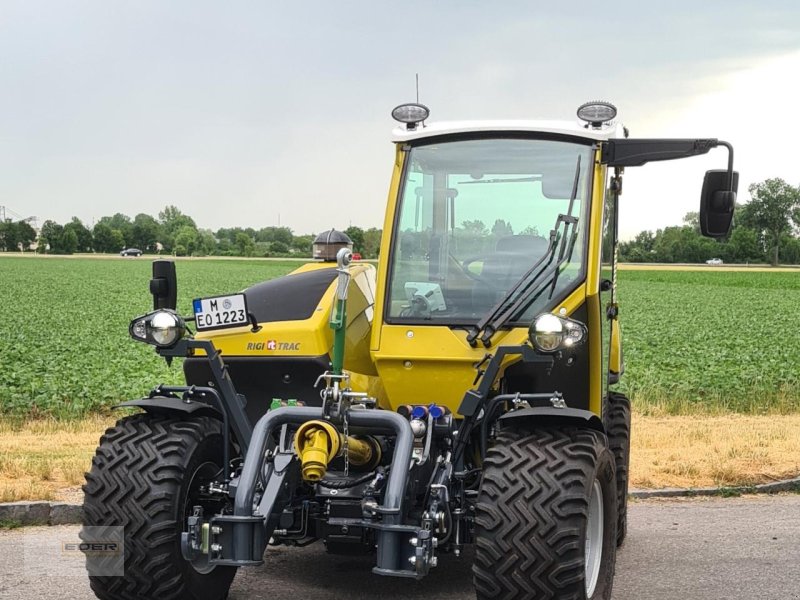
(742, 548)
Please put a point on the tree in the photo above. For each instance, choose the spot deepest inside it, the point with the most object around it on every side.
(790, 250)
(272, 234)
(372, 242)
(477, 226)
(121, 223)
(357, 235)
(25, 234)
(640, 249)
(117, 241)
(103, 238)
(185, 240)
(8, 235)
(743, 246)
(173, 220)
(692, 219)
(303, 243)
(278, 248)
(16, 236)
(501, 229)
(145, 232)
(50, 237)
(82, 235)
(206, 242)
(244, 244)
(774, 203)
(69, 242)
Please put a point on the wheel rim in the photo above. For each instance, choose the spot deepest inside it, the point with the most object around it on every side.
(594, 538)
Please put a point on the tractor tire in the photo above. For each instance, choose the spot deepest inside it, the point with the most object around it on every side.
(617, 422)
(144, 477)
(542, 492)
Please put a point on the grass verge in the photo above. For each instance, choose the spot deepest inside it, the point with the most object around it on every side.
(46, 459)
(41, 459)
(723, 451)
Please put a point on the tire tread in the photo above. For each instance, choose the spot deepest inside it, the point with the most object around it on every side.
(135, 481)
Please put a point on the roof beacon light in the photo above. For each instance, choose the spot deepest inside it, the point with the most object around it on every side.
(596, 113)
(410, 114)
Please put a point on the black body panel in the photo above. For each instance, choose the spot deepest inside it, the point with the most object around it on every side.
(260, 379)
(572, 381)
(289, 298)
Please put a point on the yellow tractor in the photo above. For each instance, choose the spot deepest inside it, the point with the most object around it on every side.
(458, 394)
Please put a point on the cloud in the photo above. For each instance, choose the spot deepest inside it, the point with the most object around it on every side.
(237, 112)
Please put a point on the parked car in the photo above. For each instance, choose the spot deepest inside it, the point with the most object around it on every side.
(714, 261)
(131, 252)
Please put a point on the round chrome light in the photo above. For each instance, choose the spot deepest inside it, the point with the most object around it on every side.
(410, 113)
(550, 333)
(547, 332)
(597, 113)
(165, 328)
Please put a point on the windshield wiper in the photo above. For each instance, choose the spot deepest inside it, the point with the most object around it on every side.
(524, 291)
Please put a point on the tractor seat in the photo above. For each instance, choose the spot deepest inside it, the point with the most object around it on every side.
(513, 256)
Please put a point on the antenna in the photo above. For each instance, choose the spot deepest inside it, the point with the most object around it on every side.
(416, 75)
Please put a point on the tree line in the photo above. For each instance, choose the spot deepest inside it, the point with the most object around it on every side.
(171, 233)
(765, 230)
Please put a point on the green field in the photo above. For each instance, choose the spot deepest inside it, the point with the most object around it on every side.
(64, 344)
(718, 341)
(693, 341)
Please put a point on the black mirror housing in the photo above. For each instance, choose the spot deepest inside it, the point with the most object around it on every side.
(717, 201)
(164, 285)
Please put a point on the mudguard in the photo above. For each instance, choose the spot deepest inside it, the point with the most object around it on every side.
(166, 404)
(541, 415)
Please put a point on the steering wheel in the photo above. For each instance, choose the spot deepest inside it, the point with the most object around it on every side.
(475, 276)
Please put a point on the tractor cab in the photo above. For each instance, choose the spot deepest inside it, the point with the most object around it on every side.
(475, 210)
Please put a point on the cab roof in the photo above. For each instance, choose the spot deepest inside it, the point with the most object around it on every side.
(571, 128)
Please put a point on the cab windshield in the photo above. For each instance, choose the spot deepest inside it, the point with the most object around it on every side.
(474, 216)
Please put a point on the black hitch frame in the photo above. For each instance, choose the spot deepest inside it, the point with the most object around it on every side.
(393, 536)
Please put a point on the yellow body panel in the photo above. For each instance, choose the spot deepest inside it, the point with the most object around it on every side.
(593, 268)
(421, 365)
(615, 364)
(386, 244)
(314, 336)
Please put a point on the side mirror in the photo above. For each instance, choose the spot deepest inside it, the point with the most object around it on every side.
(164, 285)
(717, 201)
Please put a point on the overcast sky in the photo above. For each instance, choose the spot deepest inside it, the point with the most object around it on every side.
(247, 113)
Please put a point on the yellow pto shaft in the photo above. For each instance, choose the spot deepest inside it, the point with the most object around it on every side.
(317, 443)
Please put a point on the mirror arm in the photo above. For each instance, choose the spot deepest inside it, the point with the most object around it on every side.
(730, 162)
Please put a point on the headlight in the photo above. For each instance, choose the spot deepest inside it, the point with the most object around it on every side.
(550, 333)
(162, 328)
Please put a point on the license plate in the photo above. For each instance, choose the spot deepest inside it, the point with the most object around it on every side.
(220, 311)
